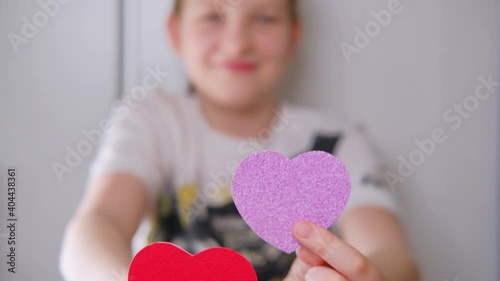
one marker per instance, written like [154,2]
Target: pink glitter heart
[272,193]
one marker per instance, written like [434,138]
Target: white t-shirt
[166,142]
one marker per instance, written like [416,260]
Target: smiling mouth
[240,67]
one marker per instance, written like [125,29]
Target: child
[163,171]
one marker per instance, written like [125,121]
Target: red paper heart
[167,262]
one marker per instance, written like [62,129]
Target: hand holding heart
[273,193]
[323,256]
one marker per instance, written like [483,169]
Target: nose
[237,37]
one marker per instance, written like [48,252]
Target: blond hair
[293,9]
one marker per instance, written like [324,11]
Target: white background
[59,83]
[426,60]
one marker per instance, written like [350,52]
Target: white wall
[424,61]
[59,83]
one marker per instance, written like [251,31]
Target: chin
[238,100]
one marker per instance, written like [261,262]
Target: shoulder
[349,140]
[310,119]
[155,105]
[163,98]
[163,101]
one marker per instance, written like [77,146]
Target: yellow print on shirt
[186,196]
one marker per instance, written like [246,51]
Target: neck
[240,122]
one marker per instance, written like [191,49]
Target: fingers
[335,252]
[309,257]
[301,271]
[304,261]
[323,273]
[297,271]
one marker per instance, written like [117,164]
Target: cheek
[274,45]
[274,48]
[197,46]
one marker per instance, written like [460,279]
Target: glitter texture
[272,193]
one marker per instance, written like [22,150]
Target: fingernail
[309,277]
[317,274]
[304,230]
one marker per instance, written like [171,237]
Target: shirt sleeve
[368,187]
[130,146]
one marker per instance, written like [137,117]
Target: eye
[212,17]
[266,19]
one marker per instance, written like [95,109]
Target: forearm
[395,264]
[94,249]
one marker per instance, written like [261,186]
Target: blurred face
[235,52]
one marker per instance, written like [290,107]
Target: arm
[97,241]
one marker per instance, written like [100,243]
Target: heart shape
[272,193]
[163,261]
